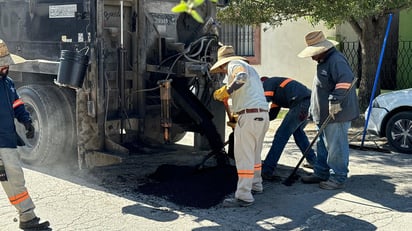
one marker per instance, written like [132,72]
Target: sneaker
[330,185]
[312,179]
[34,224]
[270,177]
[234,202]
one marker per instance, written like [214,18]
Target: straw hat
[225,54]
[6,58]
[316,44]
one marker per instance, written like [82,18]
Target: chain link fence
[396,65]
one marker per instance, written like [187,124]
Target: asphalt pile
[191,187]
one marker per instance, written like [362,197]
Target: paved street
[378,196]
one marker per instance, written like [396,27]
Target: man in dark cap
[284,92]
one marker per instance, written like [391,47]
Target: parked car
[391,117]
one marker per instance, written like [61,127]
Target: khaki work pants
[15,185]
[249,135]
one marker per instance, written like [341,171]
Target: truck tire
[153,130]
[52,111]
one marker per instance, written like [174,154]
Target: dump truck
[104,79]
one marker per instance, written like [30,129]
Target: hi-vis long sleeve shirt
[284,92]
[11,107]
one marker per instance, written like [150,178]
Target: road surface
[378,196]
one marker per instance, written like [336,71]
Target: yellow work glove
[221,94]
[235,117]
[232,123]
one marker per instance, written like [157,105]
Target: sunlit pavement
[378,196]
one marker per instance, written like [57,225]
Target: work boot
[270,177]
[34,224]
[255,192]
[331,185]
[234,202]
[308,165]
[312,179]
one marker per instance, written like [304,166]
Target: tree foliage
[274,12]
[368,19]
[189,7]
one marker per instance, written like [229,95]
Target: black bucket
[72,69]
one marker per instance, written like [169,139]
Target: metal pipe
[141,64]
[388,27]
[121,77]
[121,24]
[165,113]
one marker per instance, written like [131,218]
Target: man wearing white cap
[11,172]
[330,97]
[249,103]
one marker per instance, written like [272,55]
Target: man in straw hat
[249,103]
[11,172]
[330,97]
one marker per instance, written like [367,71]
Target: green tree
[368,18]
[189,7]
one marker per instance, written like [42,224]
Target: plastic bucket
[72,69]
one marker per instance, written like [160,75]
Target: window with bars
[241,37]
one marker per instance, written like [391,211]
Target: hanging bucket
[72,69]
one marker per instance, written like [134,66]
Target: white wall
[279,49]
[346,33]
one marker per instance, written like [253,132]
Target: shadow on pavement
[155,214]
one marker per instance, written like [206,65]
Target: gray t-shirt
[251,94]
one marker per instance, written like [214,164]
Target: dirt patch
[188,186]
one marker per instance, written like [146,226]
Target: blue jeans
[333,152]
[293,123]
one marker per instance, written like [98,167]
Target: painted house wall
[405,29]
[280,46]
[405,34]
[279,49]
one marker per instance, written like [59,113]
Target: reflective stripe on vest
[285,82]
[282,85]
[17,103]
